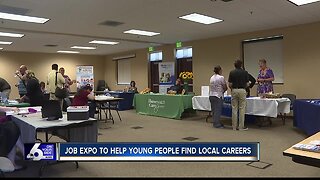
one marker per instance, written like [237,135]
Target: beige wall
[139,70]
[301,59]
[41,63]
[300,50]
[139,66]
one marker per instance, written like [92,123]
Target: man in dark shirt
[5,88]
[238,82]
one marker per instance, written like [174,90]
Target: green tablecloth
[16,105]
[169,106]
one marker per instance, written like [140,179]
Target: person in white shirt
[217,88]
[55,79]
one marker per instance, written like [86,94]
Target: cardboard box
[75,113]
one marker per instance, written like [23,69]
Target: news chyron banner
[143,151]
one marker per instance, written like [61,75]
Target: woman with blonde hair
[265,78]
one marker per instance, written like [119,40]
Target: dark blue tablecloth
[127,101]
[307,115]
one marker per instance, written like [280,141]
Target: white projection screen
[269,49]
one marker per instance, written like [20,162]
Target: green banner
[169,106]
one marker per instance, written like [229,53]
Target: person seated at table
[133,88]
[85,97]
[10,140]
[177,88]
[34,94]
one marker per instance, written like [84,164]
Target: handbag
[60,93]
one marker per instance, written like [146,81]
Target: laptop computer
[51,110]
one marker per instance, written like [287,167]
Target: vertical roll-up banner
[166,76]
[85,76]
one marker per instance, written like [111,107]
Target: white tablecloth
[29,125]
[255,105]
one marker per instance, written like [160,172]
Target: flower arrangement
[186,76]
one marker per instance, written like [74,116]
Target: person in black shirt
[34,94]
[252,81]
[238,82]
[177,88]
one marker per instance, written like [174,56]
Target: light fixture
[103,42]
[5,42]
[302,2]
[16,17]
[124,57]
[69,52]
[199,18]
[1,48]
[11,35]
[141,32]
[83,47]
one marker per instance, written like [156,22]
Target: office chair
[101,85]
[292,98]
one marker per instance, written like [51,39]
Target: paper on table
[315,142]
[103,97]
[9,113]
[204,90]
[13,102]
[307,147]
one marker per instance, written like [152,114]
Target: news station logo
[40,151]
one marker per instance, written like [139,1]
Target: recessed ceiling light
[16,17]
[5,42]
[103,42]
[83,47]
[199,18]
[11,34]
[303,2]
[141,32]
[70,52]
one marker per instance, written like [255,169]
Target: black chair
[292,98]
[101,85]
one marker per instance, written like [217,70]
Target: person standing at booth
[217,88]
[252,81]
[265,78]
[34,94]
[68,83]
[55,79]
[21,74]
[238,82]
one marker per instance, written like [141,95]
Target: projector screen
[269,49]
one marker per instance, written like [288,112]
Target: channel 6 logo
[40,151]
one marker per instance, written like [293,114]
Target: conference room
[169,74]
